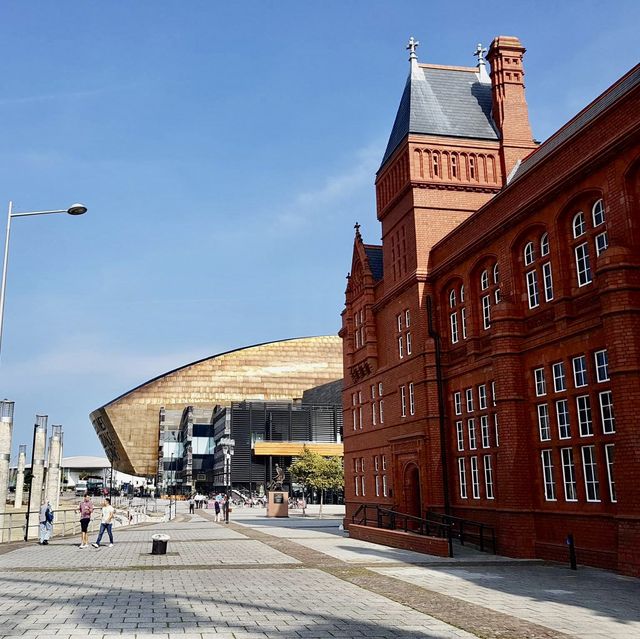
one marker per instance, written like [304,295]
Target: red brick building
[492,342]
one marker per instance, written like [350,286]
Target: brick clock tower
[458,134]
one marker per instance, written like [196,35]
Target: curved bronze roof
[128,426]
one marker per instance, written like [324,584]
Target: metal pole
[33,452]
[5,263]
[173,481]
[228,465]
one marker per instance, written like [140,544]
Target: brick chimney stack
[510,111]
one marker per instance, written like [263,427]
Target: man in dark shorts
[85,508]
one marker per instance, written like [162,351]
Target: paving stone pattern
[250,579]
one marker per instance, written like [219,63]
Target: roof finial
[483,76]
[356,226]
[411,47]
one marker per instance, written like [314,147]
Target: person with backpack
[46,523]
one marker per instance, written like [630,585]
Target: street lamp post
[173,482]
[228,446]
[74,209]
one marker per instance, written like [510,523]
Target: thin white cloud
[335,189]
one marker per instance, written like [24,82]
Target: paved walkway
[297,578]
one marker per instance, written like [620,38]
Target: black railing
[386,518]
[467,531]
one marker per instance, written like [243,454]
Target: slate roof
[587,115]
[443,101]
[374,255]
[329,393]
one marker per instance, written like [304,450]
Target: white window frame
[486,312]
[601,360]
[452,298]
[493,393]
[533,292]
[362,486]
[579,365]
[529,254]
[482,397]
[590,473]
[496,273]
[457,403]
[548,479]
[601,242]
[495,428]
[559,377]
[540,382]
[484,280]
[377,482]
[484,431]
[471,433]
[585,420]
[460,435]
[547,279]
[544,423]
[399,322]
[384,462]
[578,225]
[468,393]
[488,477]
[407,318]
[608,420]
[569,475]
[609,456]
[563,419]
[544,244]
[385,490]
[373,405]
[462,478]
[401,347]
[463,321]
[453,324]
[583,264]
[380,404]
[408,342]
[598,213]
[475,478]
[412,399]
[403,401]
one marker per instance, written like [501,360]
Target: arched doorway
[412,497]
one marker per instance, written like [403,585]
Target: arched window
[579,226]
[597,213]
[491,293]
[472,167]
[544,244]
[454,165]
[539,272]
[484,280]
[436,164]
[457,315]
[529,254]
[496,273]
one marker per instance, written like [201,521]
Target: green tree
[320,473]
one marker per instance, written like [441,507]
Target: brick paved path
[257,578]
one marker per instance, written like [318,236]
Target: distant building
[491,342]
[129,426]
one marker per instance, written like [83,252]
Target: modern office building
[492,342]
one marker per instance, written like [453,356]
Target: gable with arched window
[489,285]
[457,312]
[537,268]
[589,235]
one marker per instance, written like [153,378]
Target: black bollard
[572,552]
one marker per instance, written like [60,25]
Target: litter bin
[159,546]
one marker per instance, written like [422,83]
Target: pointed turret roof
[447,101]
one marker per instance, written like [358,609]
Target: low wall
[400,539]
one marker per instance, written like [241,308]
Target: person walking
[46,523]
[86,509]
[191,505]
[216,507]
[106,523]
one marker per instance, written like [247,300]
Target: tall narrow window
[579,226]
[475,480]
[354,411]
[460,435]
[597,213]
[463,319]
[541,384]
[401,347]
[380,404]
[453,320]
[462,478]
[562,416]
[580,371]
[469,397]
[569,475]
[544,244]
[412,400]
[360,410]
[590,471]
[583,264]
[484,280]
[559,379]
[471,428]
[403,401]
[486,312]
[482,397]
[373,405]
[484,431]
[495,428]
[533,294]
[606,413]
[457,403]
[547,474]
[544,427]
[548,281]
[488,477]
[585,423]
[609,452]
[602,365]
[408,338]
[529,253]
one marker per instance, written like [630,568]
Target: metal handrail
[475,532]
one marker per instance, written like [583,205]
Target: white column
[6,427]
[52,485]
[37,474]
[22,460]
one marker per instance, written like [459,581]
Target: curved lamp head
[77,209]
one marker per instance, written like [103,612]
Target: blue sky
[225,151]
